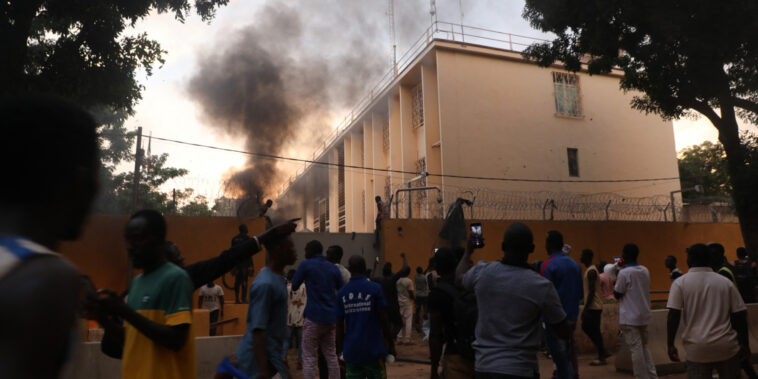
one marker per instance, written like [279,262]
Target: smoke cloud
[281,82]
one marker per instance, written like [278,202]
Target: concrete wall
[90,363]
[497,118]
[418,238]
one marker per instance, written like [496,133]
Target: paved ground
[419,350]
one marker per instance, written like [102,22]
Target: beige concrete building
[459,110]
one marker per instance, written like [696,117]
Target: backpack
[745,279]
[465,314]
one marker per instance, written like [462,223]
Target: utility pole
[135,188]
[136,176]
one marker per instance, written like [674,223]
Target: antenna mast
[391,14]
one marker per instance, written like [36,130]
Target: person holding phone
[511,301]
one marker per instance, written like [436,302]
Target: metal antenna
[433,11]
[391,14]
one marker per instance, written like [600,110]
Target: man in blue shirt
[322,280]
[362,325]
[260,351]
[566,275]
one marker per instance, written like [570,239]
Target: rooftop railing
[437,31]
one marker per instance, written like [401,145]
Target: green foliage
[80,49]
[683,55]
[704,164]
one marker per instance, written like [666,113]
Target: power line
[300,160]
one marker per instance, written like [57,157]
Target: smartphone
[476,235]
[616,259]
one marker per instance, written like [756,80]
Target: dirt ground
[419,351]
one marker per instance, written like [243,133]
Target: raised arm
[404,271]
[465,263]
[211,269]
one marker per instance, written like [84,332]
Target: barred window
[417,101]
[566,90]
[573,161]
[386,136]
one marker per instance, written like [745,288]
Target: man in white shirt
[334,254]
[633,292]
[211,297]
[707,302]
[405,298]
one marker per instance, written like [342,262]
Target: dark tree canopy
[683,56]
[704,165]
[79,49]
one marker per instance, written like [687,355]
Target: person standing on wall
[593,308]
[633,292]
[322,279]
[211,297]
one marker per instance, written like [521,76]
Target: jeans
[214,318]
[561,350]
[317,336]
[728,369]
[297,332]
[591,327]
[642,362]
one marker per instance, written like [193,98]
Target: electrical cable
[470,177]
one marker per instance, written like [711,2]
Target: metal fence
[493,204]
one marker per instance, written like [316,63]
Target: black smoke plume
[281,82]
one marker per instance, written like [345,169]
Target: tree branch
[746,105]
[708,112]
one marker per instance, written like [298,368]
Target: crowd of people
[485,320]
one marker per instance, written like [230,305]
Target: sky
[167,110]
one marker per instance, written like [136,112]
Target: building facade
[484,123]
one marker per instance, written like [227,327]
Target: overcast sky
[167,110]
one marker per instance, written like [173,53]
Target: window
[573,161]
[566,90]
[417,101]
[386,136]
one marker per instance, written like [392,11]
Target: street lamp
[697,188]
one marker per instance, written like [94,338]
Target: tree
[78,49]
[118,196]
[683,56]
[198,206]
[705,165]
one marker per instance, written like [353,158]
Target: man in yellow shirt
[157,338]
